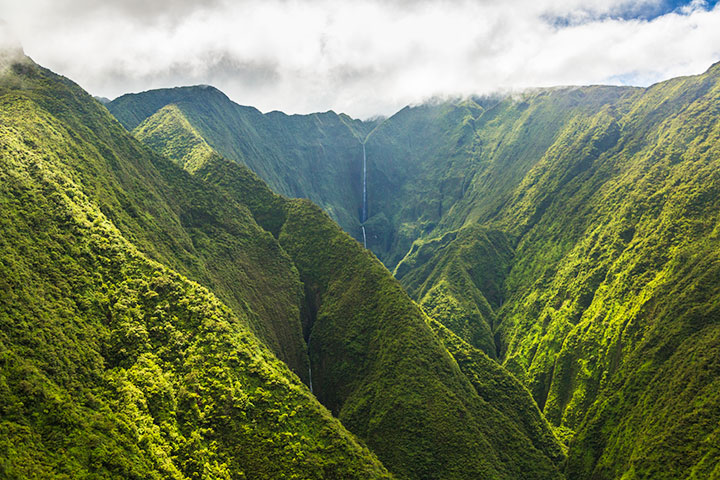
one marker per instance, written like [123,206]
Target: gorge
[194,289]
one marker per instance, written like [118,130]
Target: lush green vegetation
[113,365]
[316,156]
[628,303]
[609,300]
[384,373]
[168,215]
[571,234]
[375,362]
[609,306]
[458,279]
[510,400]
[158,308]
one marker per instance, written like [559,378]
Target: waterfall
[364,197]
[309,367]
[310,375]
[364,180]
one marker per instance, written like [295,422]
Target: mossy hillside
[114,366]
[314,156]
[383,371]
[511,138]
[174,218]
[430,166]
[436,168]
[458,284]
[602,200]
[573,164]
[638,296]
[610,297]
[458,279]
[317,156]
[170,134]
[397,153]
[375,363]
[657,411]
[604,191]
[578,178]
[512,401]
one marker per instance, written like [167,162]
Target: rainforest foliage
[376,363]
[569,234]
[316,156]
[113,365]
[167,314]
[159,313]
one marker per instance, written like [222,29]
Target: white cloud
[363,58]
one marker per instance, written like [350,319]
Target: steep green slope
[111,364]
[622,348]
[169,133]
[459,279]
[170,216]
[316,156]
[431,166]
[512,400]
[380,368]
[382,371]
[437,167]
[572,233]
[375,362]
[609,310]
[406,200]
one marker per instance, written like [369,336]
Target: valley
[518,286]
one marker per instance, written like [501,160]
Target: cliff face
[114,364]
[570,234]
[556,274]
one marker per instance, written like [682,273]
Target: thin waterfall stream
[309,367]
[363,217]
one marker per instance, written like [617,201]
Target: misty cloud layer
[363,58]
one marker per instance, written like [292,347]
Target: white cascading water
[362,220]
[364,198]
[309,367]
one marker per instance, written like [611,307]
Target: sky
[364,58]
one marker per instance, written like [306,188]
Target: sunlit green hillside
[172,317]
[569,233]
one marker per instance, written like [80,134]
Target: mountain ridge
[117,363]
[166,314]
[350,301]
[526,226]
[112,364]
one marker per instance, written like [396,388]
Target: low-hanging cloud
[363,58]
